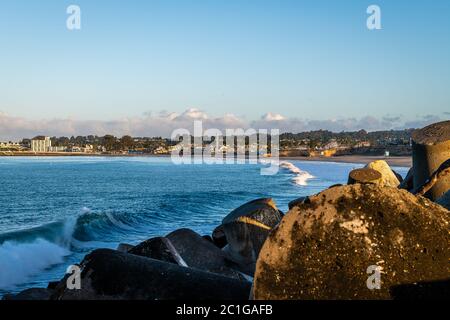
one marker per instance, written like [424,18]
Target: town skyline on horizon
[163,124]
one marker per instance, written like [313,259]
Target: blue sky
[310,59]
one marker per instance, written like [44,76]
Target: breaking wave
[28,252]
[300,177]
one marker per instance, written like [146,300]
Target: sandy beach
[392,161]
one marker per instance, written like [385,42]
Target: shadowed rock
[158,248]
[364,176]
[201,254]
[219,238]
[431,148]
[246,228]
[322,250]
[113,275]
[388,177]
[442,173]
[30,294]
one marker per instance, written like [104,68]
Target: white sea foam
[20,261]
[300,177]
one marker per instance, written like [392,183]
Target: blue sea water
[53,211]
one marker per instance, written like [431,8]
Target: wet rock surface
[322,250]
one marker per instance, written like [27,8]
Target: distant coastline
[399,161]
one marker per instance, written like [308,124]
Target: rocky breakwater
[378,237]
[180,265]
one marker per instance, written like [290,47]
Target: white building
[41,144]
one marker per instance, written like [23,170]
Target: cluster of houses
[43,144]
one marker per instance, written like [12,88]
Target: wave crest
[26,253]
[301,177]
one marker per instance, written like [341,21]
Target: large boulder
[202,254]
[388,177]
[330,247]
[246,228]
[113,275]
[431,148]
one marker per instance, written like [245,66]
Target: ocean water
[53,211]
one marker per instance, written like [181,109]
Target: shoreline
[396,161]
[400,161]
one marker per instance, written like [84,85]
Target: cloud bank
[164,123]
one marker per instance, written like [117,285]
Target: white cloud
[164,123]
[273,117]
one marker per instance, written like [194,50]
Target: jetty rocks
[113,275]
[323,249]
[377,237]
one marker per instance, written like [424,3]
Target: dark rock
[113,275]
[365,176]
[322,250]
[30,294]
[124,247]
[431,148]
[208,238]
[434,290]
[201,254]
[158,248]
[246,229]
[297,202]
[219,238]
[52,285]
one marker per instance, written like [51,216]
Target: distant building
[57,149]
[10,145]
[41,144]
